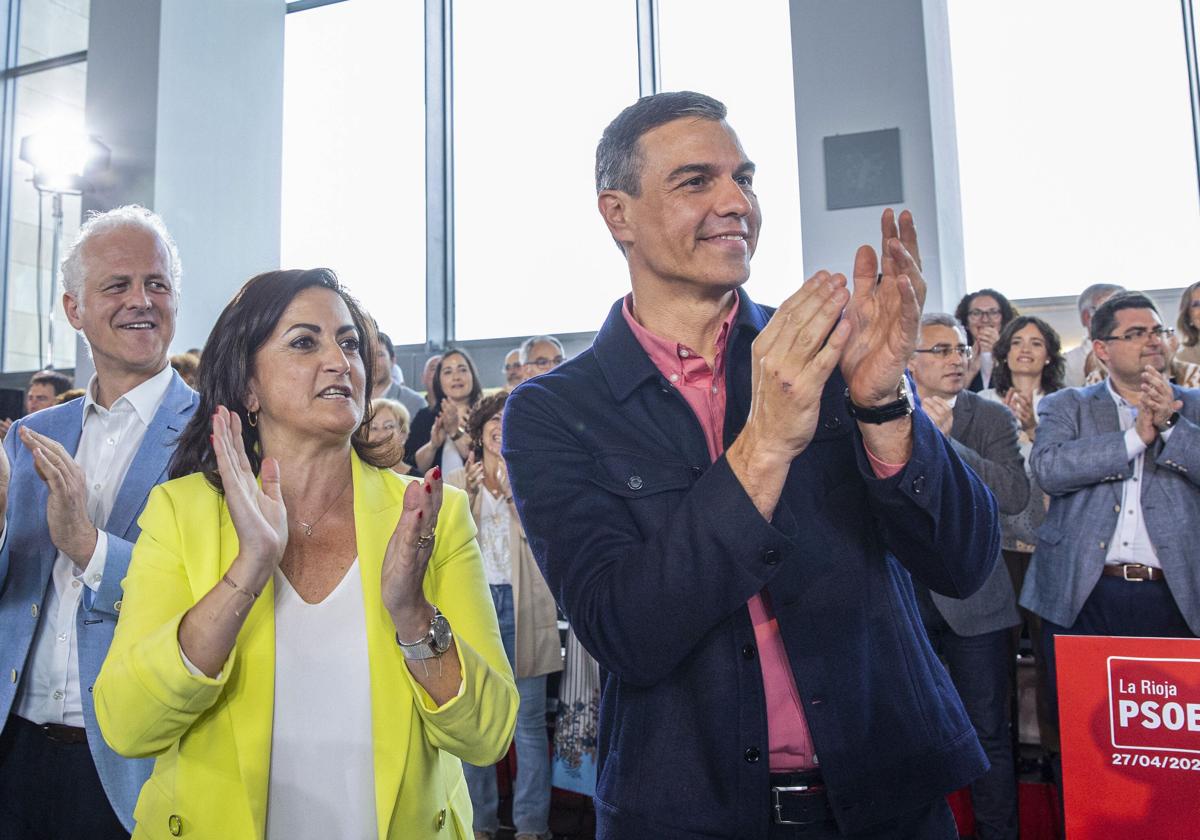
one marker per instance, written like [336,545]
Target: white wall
[189,96]
[861,65]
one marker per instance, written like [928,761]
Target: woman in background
[528,625]
[439,434]
[983,314]
[1188,325]
[390,425]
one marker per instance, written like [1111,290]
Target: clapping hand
[71,529]
[407,557]
[258,512]
[1158,403]
[883,315]
[449,417]
[940,412]
[474,474]
[1022,408]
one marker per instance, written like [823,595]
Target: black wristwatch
[1170,422]
[900,407]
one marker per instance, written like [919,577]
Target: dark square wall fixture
[863,170]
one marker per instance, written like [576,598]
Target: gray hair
[939,319]
[1088,297]
[618,162]
[527,346]
[74,269]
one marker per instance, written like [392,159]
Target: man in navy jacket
[728,504]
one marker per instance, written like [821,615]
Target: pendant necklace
[308,528]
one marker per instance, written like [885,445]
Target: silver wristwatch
[434,644]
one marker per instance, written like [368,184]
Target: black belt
[56,732]
[799,799]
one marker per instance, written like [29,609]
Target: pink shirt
[703,387]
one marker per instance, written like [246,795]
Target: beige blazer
[538,646]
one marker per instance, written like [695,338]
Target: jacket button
[441,819]
[918,484]
[33,610]
[1103,544]
[117,606]
[175,825]
[1116,508]
[13,676]
[770,557]
[747,651]
[635,482]
[752,755]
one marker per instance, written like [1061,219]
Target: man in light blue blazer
[1120,461]
[76,479]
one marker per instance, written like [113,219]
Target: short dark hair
[618,158]
[60,382]
[228,365]
[1052,373]
[383,339]
[487,408]
[1104,321]
[476,387]
[1007,312]
[1188,333]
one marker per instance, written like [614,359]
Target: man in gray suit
[971,635]
[1120,461]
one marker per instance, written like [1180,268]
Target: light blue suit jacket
[1079,459]
[27,560]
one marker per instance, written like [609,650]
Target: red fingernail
[420,514]
[437,473]
[429,489]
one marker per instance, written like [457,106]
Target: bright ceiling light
[62,160]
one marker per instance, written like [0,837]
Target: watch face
[440,629]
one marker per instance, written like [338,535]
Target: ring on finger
[424,540]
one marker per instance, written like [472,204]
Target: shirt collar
[659,348]
[1117,398]
[144,399]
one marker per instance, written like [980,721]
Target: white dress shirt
[1131,542]
[111,437]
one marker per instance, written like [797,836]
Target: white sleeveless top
[322,782]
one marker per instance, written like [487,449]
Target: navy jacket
[652,551]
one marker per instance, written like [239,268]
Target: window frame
[10,72]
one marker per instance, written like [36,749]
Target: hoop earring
[252,418]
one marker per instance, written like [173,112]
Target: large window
[46,101]
[354,154]
[532,254]
[1075,146]
[753,77]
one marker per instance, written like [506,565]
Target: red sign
[1129,711]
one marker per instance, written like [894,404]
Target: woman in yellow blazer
[307,643]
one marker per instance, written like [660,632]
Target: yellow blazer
[212,737]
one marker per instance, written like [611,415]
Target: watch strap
[900,407]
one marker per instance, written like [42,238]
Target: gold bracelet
[253,596]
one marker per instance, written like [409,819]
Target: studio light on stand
[62,162]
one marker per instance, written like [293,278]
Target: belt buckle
[1125,573]
[778,807]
